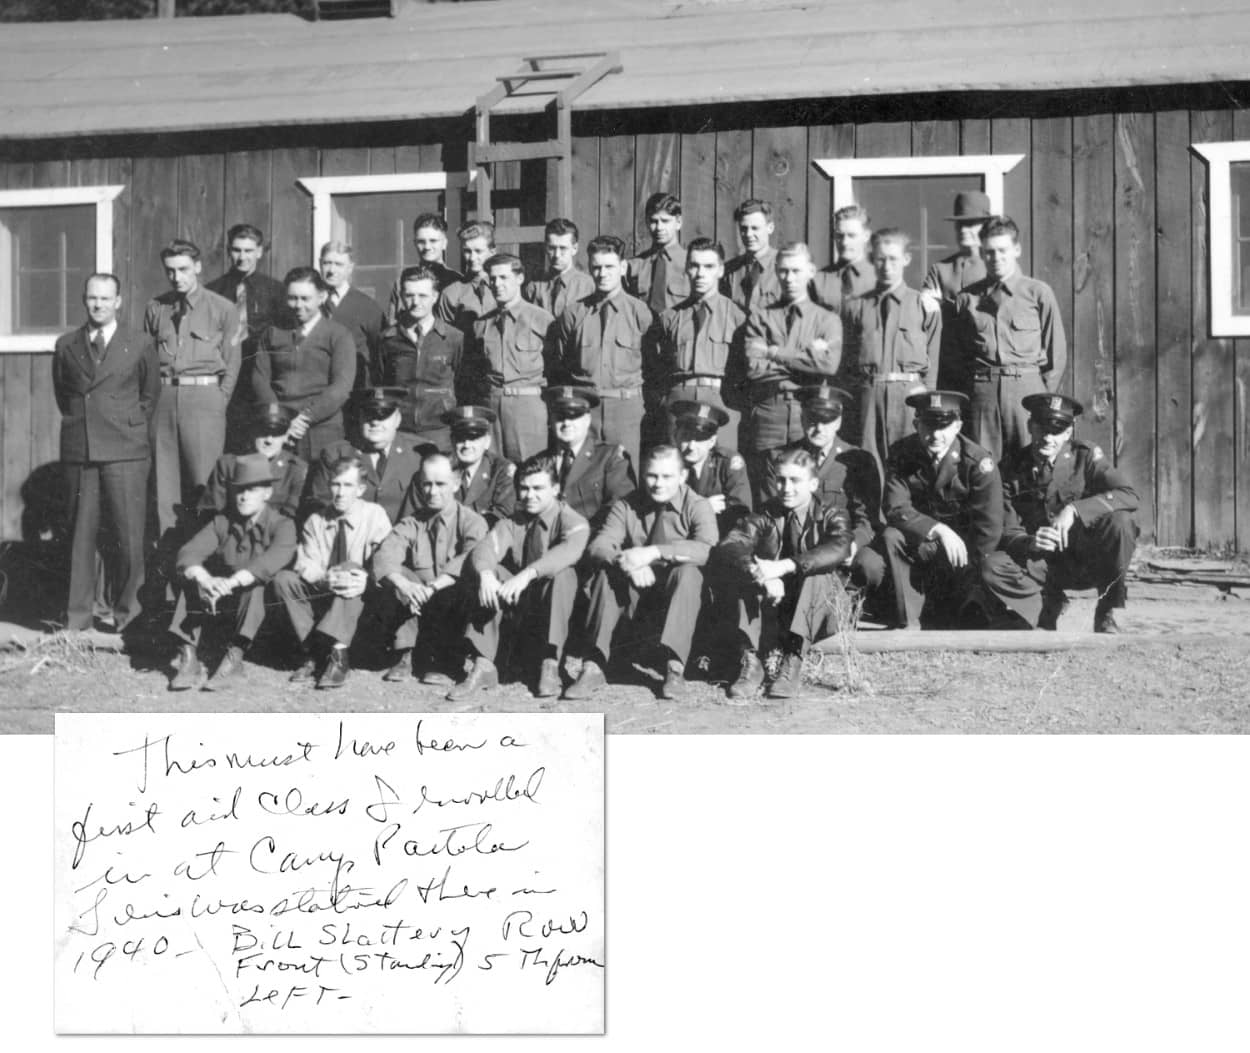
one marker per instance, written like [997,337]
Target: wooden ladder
[564,78]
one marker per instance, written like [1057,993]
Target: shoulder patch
[986,465]
[1096,453]
[737,464]
[510,471]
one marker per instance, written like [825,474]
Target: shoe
[401,668]
[306,672]
[789,679]
[336,670]
[435,677]
[750,676]
[675,687]
[1104,621]
[482,677]
[188,672]
[1053,607]
[230,668]
[549,684]
[588,681]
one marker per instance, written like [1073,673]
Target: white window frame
[843,171]
[100,196]
[324,189]
[1219,157]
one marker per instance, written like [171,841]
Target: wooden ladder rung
[492,152]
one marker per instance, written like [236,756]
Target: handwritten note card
[329,874]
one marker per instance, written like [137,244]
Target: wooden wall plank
[779,175]
[616,188]
[1011,136]
[974,136]
[153,223]
[585,190]
[507,180]
[291,213]
[382,160]
[1174,468]
[698,189]
[1214,367]
[733,180]
[1092,342]
[1135,436]
[352,160]
[1241,351]
[657,169]
[201,204]
[934,138]
[824,141]
[883,139]
[1052,215]
[248,198]
[120,172]
[15,370]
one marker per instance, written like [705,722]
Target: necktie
[557,291]
[792,318]
[602,308]
[702,313]
[566,465]
[332,301]
[658,533]
[240,303]
[793,537]
[466,477]
[97,346]
[750,279]
[432,532]
[657,299]
[338,551]
[692,479]
[379,464]
[180,312]
[532,548]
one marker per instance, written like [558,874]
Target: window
[50,241]
[1228,213]
[374,214]
[917,194]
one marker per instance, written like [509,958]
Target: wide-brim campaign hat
[469,420]
[568,397]
[251,469]
[1045,406]
[939,406]
[378,402]
[971,204]
[271,419]
[824,401]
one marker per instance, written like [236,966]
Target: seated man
[525,576]
[649,553]
[592,474]
[782,560]
[711,472]
[420,563]
[267,429]
[325,590]
[944,513]
[228,562]
[1069,518]
[389,457]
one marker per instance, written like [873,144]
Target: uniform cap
[270,419]
[1043,406]
[824,401]
[567,397]
[471,421]
[251,469]
[701,417]
[939,406]
[971,204]
[378,403]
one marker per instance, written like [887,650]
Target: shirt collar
[310,325]
[444,514]
[194,297]
[108,331]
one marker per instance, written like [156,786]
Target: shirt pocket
[206,345]
[1025,331]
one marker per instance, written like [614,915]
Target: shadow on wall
[34,572]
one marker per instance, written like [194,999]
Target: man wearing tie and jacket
[107,380]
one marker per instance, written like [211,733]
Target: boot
[750,676]
[1104,620]
[1053,606]
[188,672]
[589,680]
[307,671]
[790,679]
[401,668]
[549,679]
[675,686]
[336,670]
[482,677]
[230,668]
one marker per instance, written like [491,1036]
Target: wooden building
[1082,117]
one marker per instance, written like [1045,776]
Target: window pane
[1240,218]
[919,205]
[378,227]
[48,252]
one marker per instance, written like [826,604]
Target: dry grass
[60,650]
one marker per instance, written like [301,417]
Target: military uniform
[428,365]
[462,303]
[751,281]
[835,286]
[289,475]
[891,349]
[724,472]
[599,344]
[556,294]
[386,476]
[597,475]
[1012,344]
[640,276]
[701,357]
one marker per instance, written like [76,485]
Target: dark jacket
[601,473]
[290,473]
[224,544]
[824,539]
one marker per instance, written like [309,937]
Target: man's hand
[850,555]
[348,583]
[511,590]
[766,570]
[633,559]
[642,578]
[413,594]
[820,345]
[1064,522]
[717,501]
[774,590]
[299,426]
[1045,540]
[952,544]
[488,590]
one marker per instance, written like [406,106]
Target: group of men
[424,472]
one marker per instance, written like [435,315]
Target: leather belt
[421,389]
[893,378]
[984,373]
[698,382]
[619,393]
[773,389]
[196,380]
[520,389]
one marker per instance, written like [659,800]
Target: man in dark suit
[106,379]
[592,474]
[485,479]
[357,312]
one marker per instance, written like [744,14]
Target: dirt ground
[1182,664]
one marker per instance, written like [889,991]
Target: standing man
[1011,341]
[658,275]
[789,343]
[649,555]
[751,278]
[892,346]
[465,301]
[599,342]
[591,474]
[1069,518]
[355,311]
[563,283]
[506,361]
[949,277]
[107,381]
[196,333]
[851,273]
[429,237]
[422,354]
[260,302]
[700,342]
